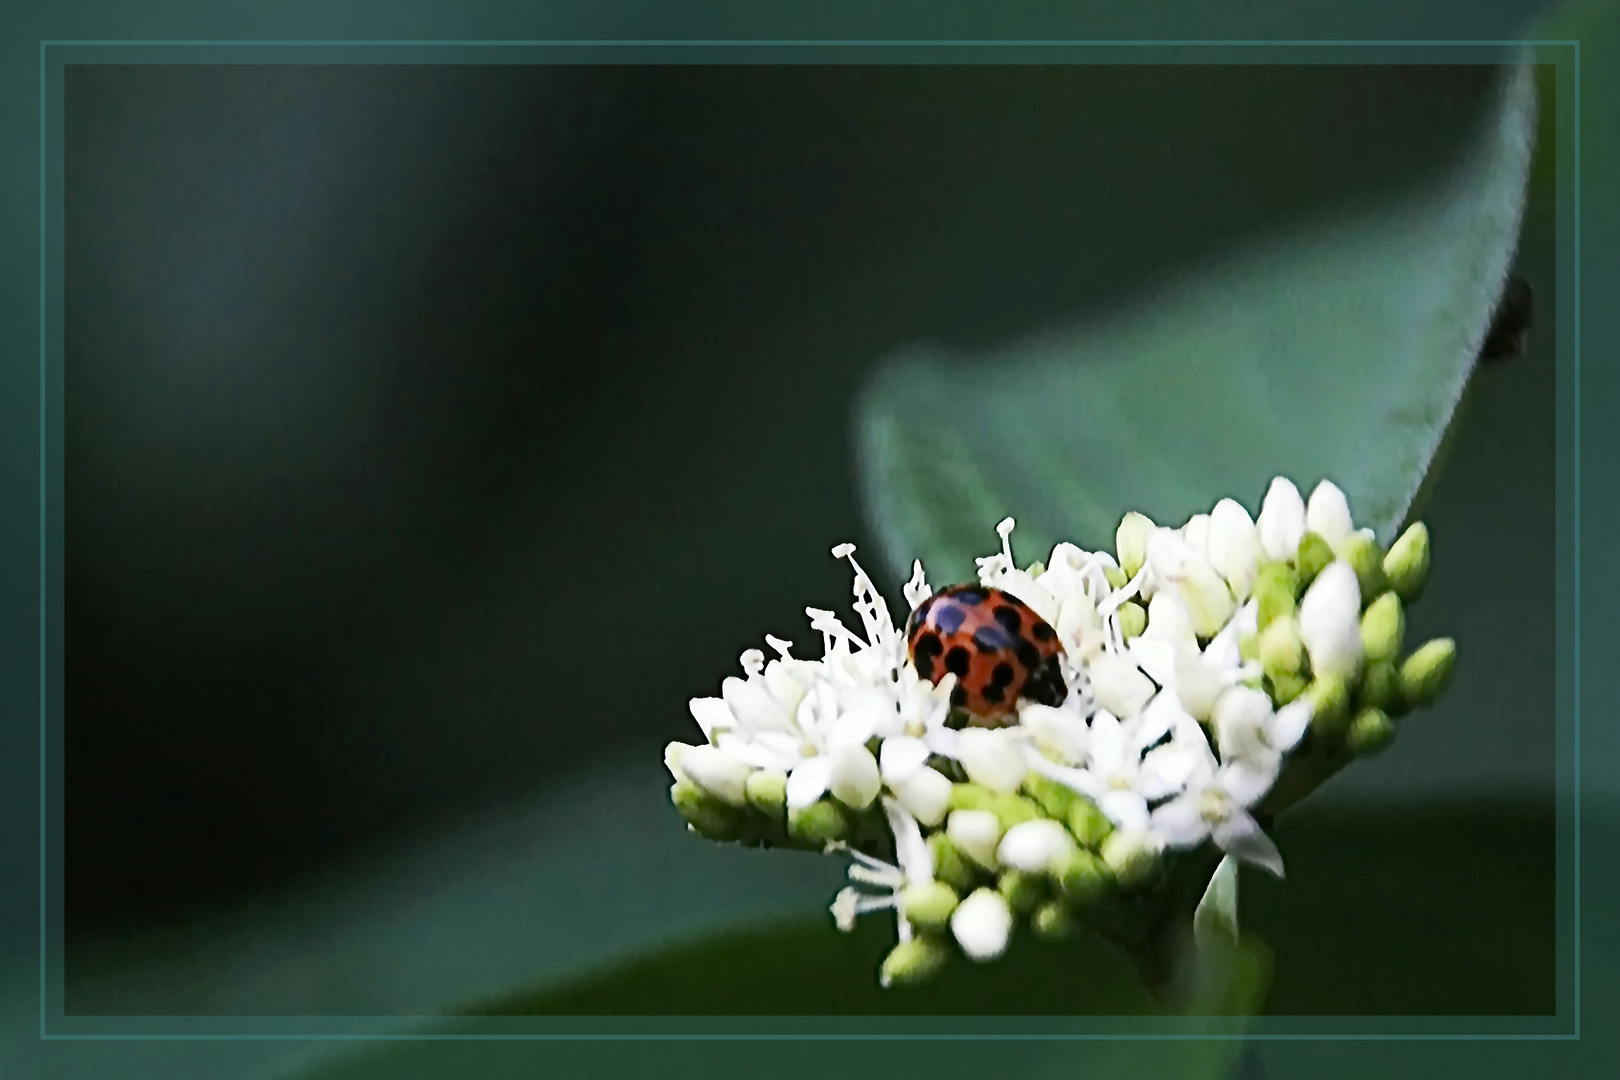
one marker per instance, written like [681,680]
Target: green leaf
[1215,922]
[1340,352]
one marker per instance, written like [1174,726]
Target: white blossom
[914,865]
[1216,806]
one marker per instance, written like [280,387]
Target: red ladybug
[996,645]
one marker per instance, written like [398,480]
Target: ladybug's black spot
[959,697]
[1009,598]
[1010,620]
[1042,631]
[1029,655]
[971,595]
[925,666]
[1001,674]
[948,618]
[993,694]
[1045,685]
[990,639]
[958,660]
[926,646]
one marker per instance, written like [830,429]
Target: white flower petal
[1157,656]
[992,758]
[944,741]
[911,851]
[1241,836]
[1061,733]
[1282,519]
[1126,809]
[753,707]
[855,780]
[1178,822]
[1162,715]
[808,781]
[1289,724]
[900,756]
[1084,781]
[1035,846]
[1167,769]
[712,714]
[982,924]
[1246,780]
[766,750]
[1167,621]
[1328,514]
[1119,686]
[1198,682]
[1196,534]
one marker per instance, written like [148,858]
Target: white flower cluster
[1194,664]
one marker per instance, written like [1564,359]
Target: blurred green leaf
[1447,909]
[1340,353]
[1216,920]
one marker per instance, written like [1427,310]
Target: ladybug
[994,643]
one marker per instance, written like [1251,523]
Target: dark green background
[427,580]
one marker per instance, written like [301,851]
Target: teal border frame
[54,56]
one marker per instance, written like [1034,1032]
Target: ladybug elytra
[994,643]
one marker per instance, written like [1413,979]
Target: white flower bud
[976,833]
[981,924]
[1198,683]
[926,793]
[1130,541]
[1120,687]
[717,772]
[1328,514]
[1167,621]
[1330,622]
[1196,534]
[1036,847]
[992,757]
[1282,519]
[855,779]
[1234,546]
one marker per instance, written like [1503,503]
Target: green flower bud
[1132,619]
[817,825]
[928,906]
[1089,825]
[1371,731]
[767,792]
[1314,556]
[709,815]
[1361,552]
[1084,878]
[1052,796]
[912,962]
[1426,673]
[1330,706]
[1382,627]
[1380,686]
[1249,646]
[1051,920]
[1281,650]
[1275,590]
[1130,543]
[1022,891]
[1132,860]
[951,866]
[1116,577]
[1013,809]
[1407,564]
[971,796]
[1284,687]
[1036,569]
